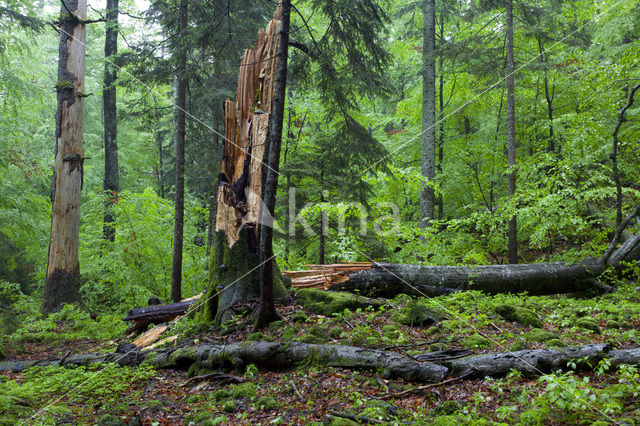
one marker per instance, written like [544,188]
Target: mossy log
[278,356]
[389,280]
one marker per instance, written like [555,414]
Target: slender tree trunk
[111,177]
[427,197]
[440,200]
[323,219]
[614,154]
[62,283]
[158,137]
[511,108]
[267,312]
[181,96]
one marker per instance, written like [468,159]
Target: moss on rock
[588,324]
[477,341]
[518,314]
[555,343]
[613,324]
[332,302]
[539,335]
[416,314]
[267,403]
[449,407]
[244,390]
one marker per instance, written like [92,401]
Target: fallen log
[389,280]
[142,317]
[278,356]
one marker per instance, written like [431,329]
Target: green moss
[221,395]
[274,326]
[299,316]
[319,331]
[339,421]
[416,314]
[447,326]
[335,332]
[539,335]
[600,423]
[448,421]
[380,410]
[449,407]
[328,303]
[309,338]
[588,324]
[518,314]
[255,337]
[518,345]
[613,324]
[266,403]
[431,331]
[110,420]
[434,347]
[555,343]
[390,331]
[624,324]
[477,341]
[229,406]
[244,390]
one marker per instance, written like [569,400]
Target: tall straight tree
[111,177]
[63,271]
[511,124]
[427,197]
[267,312]
[180,133]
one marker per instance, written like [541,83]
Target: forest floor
[110,395]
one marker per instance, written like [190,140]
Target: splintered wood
[324,276]
[246,128]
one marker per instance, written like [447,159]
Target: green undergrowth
[70,323]
[45,395]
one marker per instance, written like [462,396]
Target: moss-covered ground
[110,395]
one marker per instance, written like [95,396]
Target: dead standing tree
[234,272]
[63,271]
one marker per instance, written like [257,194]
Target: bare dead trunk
[234,270]
[63,271]
[511,108]
[111,176]
[181,104]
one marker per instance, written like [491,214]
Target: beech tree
[63,271]
[511,124]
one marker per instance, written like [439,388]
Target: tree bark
[389,280]
[267,312]
[111,176]
[276,356]
[235,265]
[62,283]
[181,104]
[614,154]
[511,124]
[427,197]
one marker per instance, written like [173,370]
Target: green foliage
[520,315]
[68,324]
[97,385]
[137,265]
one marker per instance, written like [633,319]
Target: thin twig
[359,419]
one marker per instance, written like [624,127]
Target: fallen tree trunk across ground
[389,280]
[279,356]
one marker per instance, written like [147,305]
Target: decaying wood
[277,356]
[142,317]
[62,283]
[389,280]
[324,276]
[234,265]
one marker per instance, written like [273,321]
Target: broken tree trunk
[389,280]
[234,261]
[62,283]
[157,314]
